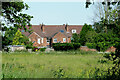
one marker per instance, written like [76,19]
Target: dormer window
[73,30]
[61,31]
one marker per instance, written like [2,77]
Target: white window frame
[64,39]
[38,40]
[54,40]
[73,30]
[42,40]
[47,40]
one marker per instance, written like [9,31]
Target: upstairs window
[73,30]
[55,40]
[61,31]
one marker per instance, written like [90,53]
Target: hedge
[65,46]
[91,45]
[100,46]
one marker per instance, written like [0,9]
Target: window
[64,39]
[73,30]
[55,40]
[23,31]
[48,40]
[42,40]
[38,40]
[33,42]
[61,31]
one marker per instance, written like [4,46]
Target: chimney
[66,27]
[42,27]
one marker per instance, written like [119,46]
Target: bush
[66,46]
[42,49]
[91,45]
[102,46]
[34,48]
[29,45]
[38,49]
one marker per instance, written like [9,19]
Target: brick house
[45,35]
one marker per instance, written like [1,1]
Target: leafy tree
[83,32]
[90,36]
[75,38]
[17,39]
[12,15]
[20,39]
[105,40]
[7,38]
[26,42]
[114,72]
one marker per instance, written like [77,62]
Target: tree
[90,36]
[76,38]
[18,39]
[7,38]
[83,32]
[12,15]
[12,19]
[114,72]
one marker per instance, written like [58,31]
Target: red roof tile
[50,30]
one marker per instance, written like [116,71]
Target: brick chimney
[67,28]
[42,27]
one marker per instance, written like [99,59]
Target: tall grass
[73,64]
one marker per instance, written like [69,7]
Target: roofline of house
[56,25]
[36,34]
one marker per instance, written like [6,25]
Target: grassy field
[71,64]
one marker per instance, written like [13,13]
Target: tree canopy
[13,16]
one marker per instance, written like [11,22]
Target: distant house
[45,35]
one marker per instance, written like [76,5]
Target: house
[45,35]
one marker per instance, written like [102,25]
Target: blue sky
[58,13]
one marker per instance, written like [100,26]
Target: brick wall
[59,36]
[34,37]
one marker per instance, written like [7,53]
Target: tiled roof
[50,30]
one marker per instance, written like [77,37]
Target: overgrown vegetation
[111,23]
[66,46]
[58,64]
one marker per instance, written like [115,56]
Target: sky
[59,13]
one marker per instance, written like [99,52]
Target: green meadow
[58,64]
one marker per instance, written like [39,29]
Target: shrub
[91,45]
[102,46]
[42,49]
[29,45]
[34,48]
[38,49]
[59,73]
[76,45]
[66,46]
